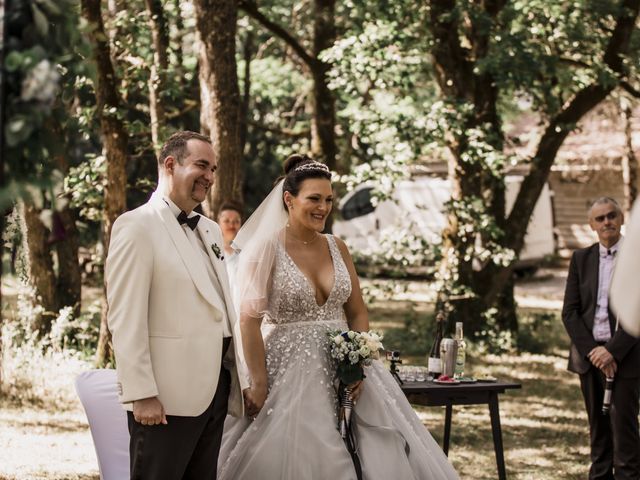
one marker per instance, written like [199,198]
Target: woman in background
[230,220]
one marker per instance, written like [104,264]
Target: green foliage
[550,50]
[276,118]
[39,63]
[415,336]
[36,364]
[383,83]
[541,332]
[399,252]
[85,185]
[491,338]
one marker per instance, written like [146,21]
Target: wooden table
[434,395]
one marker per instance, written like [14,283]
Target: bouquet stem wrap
[345,427]
[352,351]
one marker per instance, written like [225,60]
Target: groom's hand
[149,411]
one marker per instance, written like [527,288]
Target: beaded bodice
[292,295]
[296,330]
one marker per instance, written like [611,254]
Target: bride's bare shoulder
[344,250]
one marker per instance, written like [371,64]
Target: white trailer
[419,203]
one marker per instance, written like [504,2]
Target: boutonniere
[217,252]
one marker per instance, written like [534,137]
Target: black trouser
[185,448]
[615,441]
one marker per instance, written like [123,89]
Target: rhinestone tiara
[312,166]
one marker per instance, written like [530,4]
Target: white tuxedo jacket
[165,315]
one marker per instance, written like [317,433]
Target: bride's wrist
[259,383]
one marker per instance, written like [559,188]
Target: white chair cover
[98,393]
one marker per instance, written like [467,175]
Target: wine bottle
[462,353]
[435,364]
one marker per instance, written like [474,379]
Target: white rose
[338,339]
[354,357]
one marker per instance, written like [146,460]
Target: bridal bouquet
[352,350]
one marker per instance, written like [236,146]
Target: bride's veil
[256,245]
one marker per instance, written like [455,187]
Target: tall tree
[159,66]
[39,265]
[323,124]
[2,114]
[472,43]
[629,159]
[54,288]
[114,141]
[69,279]
[35,71]
[220,95]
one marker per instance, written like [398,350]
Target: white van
[420,202]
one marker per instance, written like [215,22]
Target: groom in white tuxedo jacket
[172,319]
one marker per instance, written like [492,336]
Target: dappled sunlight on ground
[44,433]
[544,425]
[37,444]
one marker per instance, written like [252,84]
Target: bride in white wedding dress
[294,284]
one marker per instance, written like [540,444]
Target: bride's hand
[356,390]
[254,398]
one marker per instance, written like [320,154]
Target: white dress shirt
[601,327]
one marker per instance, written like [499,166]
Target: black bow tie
[192,222]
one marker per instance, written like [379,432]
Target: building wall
[574,190]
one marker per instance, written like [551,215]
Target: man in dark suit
[600,349]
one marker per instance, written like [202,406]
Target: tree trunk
[179,30]
[472,179]
[323,137]
[2,122]
[629,160]
[489,287]
[246,90]
[323,122]
[216,23]
[40,265]
[157,77]
[114,141]
[69,284]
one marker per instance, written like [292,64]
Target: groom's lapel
[210,240]
[192,261]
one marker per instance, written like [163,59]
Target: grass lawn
[44,434]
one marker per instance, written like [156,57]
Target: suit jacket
[578,313]
[164,313]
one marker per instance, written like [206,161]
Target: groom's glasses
[609,216]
